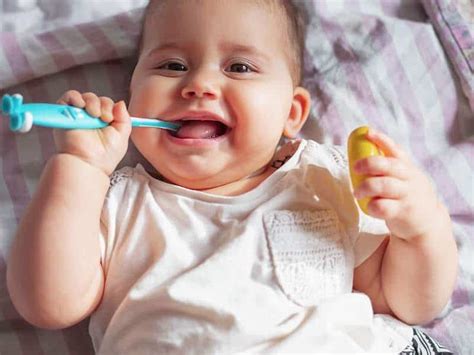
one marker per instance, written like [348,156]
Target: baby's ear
[299,112]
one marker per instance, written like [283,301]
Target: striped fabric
[454,21]
[423,344]
[367,61]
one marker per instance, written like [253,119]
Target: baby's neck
[243,185]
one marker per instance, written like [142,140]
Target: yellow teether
[359,147]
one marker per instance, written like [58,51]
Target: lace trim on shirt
[120,175]
[284,153]
[338,155]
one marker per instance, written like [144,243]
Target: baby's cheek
[258,100]
[144,96]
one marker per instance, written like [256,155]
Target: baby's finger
[384,208]
[93,106]
[106,104]
[382,166]
[121,122]
[386,144]
[72,97]
[381,187]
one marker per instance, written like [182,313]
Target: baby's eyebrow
[227,47]
[163,47]
[245,49]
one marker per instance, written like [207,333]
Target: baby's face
[219,68]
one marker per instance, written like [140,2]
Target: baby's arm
[54,275]
[412,273]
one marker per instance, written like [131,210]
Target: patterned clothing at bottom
[423,344]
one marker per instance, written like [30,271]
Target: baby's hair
[296,23]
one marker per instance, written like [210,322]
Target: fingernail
[124,106]
[119,106]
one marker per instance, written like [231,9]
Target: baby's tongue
[199,129]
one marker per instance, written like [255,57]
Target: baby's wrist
[439,227]
[82,166]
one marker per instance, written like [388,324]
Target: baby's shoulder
[127,181]
[329,156]
[125,189]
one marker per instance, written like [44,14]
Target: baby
[238,244]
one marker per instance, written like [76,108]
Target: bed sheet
[454,22]
[42,15]
[379,62]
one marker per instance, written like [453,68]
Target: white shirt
[268,271]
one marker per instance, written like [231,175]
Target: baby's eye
[174,66]
[239,68]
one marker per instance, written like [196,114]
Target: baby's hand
[102,148]
[401,193]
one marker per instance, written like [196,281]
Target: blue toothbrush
[24,116]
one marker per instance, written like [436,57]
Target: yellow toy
[359,147]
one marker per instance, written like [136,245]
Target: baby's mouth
[200,129]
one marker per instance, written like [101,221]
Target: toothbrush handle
[23,116]
[91,122]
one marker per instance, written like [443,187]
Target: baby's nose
[201,86]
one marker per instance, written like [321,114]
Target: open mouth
[200,129]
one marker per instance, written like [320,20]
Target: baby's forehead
[155,4]
[280,23]
[275,7]
[161,23]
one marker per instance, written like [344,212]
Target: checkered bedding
[405,67]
